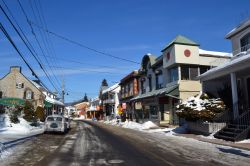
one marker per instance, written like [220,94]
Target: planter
[204,128]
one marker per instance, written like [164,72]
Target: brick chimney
[15,69]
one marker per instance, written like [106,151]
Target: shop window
[245,42]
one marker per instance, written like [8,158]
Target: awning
[11,101]
[47,104]
[169,91]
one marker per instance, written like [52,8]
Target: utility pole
[63,90]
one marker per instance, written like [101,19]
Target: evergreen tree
[85,99]
[29,112]
[104,82]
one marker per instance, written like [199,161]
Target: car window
[50,119]
[58,119]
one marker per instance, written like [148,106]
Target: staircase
[237,130]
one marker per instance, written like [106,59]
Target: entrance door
[248,91]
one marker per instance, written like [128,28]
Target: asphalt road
[93,143]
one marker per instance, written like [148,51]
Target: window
[245,42]
[150,83]
[1,94]
[131,88]
[143,90]
[189,72]
[28,94]
[173,74]
[193,72]
[204,69]
[159,81]
[19,85]
[184,73]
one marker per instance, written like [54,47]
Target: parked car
[67,120]
[55,123]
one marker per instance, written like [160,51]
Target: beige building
[16,86]
[171,77]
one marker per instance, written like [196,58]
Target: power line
[26,44]
[81,45]
[44,39]
[84,70]
[32,30]
[15,47]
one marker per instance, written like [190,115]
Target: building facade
[129,89]
[17,87]
[171,77]
[110,101]
[231,82]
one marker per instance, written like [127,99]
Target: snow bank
[149,125]
[23,127]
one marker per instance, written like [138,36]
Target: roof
[242,26]
[181,40]
[164,91]
[130,75]
[52,101]
[214,53]
[113,87]
[234,65]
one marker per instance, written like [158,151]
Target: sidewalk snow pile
[23,127]
[137,126]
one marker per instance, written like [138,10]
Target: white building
[231,82]
[110,100]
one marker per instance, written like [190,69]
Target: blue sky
[127,29]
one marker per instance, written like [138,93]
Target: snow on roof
[214,53]
[113,87]
[53,101]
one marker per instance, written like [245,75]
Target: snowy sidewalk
[150,127]
[241,145]
[6,138]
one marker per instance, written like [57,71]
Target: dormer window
[245,42]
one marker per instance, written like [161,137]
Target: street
[94,143]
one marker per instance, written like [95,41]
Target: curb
[9,144]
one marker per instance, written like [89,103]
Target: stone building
[15,88]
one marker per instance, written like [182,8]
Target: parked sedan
[55,123]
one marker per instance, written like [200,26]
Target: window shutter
[32,95]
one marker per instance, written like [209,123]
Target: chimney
[15,69]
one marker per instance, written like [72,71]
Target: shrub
[200,107]
[40,114]
[14,113]
[29,113]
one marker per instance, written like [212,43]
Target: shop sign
[11,101]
